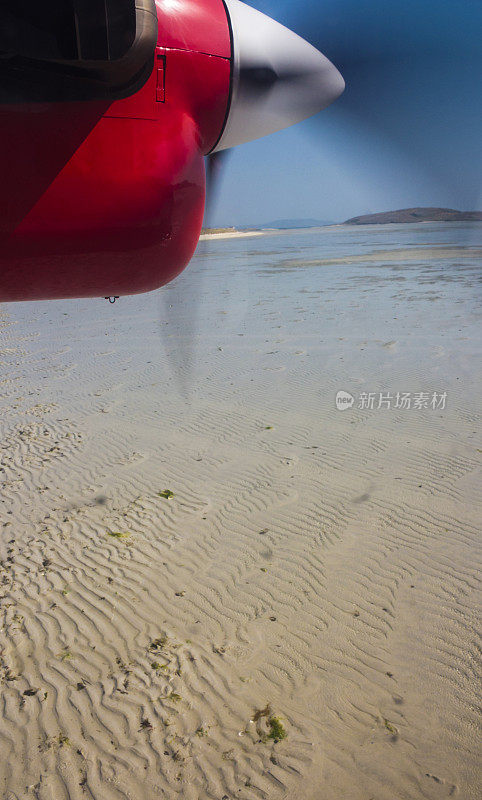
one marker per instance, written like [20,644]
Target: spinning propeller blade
[180,300]
[409,69]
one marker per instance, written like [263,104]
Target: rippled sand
[313,569]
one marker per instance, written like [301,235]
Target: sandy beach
[213,583]
[207,237]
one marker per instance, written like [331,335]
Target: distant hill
[417,215]
[285,224]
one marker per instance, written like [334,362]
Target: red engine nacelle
[108,199]
[103,197]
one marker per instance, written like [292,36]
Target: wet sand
[198,559]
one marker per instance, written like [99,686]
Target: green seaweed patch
[390,728]
[65,654]
[155,665]
[119,534]
[269,427]
[166,494]
[277,731]
[158,644]
[54,742]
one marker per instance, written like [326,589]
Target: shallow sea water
[415,286]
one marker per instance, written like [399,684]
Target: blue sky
[406,132]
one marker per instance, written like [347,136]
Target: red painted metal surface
[199,25]
[101,200]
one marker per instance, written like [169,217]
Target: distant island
[279,224]
[291,224]
[416,215]
[383,218]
